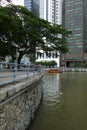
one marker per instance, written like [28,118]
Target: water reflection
[52,90]
[64,105]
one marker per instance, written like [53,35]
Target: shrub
[47,63]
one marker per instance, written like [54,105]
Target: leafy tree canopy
[24,30]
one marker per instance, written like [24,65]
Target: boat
[55,71]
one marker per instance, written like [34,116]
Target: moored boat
[55,71]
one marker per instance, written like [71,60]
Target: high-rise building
[32,5]
[50,10]
[75,19]
[43,9]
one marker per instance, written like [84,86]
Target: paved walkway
[7,77]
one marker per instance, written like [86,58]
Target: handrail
[13,72]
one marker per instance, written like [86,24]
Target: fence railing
[13,72]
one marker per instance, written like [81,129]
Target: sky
[18,2]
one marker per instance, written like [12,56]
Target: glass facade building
[32,5]
[75,19]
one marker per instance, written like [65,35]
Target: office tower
[75,19]
[50,10]
[32,5]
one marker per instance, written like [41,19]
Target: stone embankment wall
[19,103]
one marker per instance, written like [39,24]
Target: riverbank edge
[68,69]
[19,103]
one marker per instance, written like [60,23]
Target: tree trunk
[19,58]
[33,54]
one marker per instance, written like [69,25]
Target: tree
[57,38]
[6,37]
[23,29]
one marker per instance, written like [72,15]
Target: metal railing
[13,72]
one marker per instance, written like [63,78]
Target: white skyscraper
[50,10]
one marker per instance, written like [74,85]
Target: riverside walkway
[13,75]
[7,77]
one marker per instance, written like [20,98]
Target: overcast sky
[18,2]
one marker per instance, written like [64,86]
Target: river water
[64,103]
